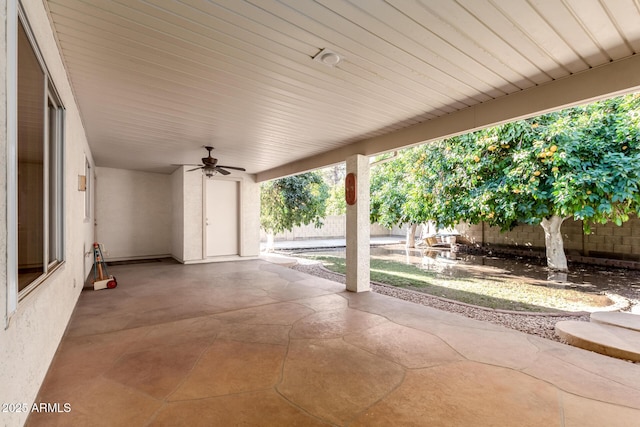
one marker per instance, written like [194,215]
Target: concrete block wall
[605,240]
[609,238]
[470,233]
[334,226]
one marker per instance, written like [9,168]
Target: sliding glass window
[40,135]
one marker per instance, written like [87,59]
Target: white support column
[358,229]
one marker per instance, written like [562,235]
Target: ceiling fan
[210,165]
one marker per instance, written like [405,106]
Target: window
[40,237]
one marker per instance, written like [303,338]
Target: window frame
[54,143]
[53,140]
[12,160]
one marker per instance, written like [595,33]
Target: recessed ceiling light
[328,58]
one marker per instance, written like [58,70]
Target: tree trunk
[556,258]
[270,245]
[429,229]
[411,235]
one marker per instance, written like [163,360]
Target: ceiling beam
[614,78]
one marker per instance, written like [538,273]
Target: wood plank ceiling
[158,79]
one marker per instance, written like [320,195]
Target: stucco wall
[133,213]
[193,221]
[28,343]
[187,221]
[606,240]
[141,215]
[5,336]
[177,214]
[250,216]
[3,176]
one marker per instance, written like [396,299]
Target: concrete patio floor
[254,343]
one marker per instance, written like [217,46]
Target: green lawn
[496,292]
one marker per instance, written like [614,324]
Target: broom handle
[100,274]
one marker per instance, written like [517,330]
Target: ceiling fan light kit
[210,166]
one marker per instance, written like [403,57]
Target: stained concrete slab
[609,340]
[623,320]
[253,343]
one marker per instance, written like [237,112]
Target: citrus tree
[334,177]
[582,162]
[292,201]
[391,188]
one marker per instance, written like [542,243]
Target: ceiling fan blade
[233,167]
[194,169]
[222,171]
[185,164]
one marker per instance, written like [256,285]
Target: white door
[222,217]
